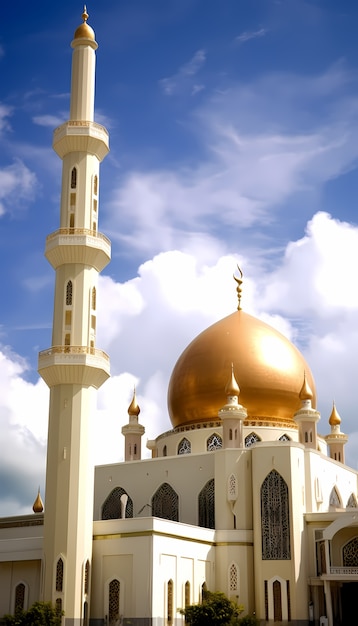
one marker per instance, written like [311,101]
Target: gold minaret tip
[133,408]
[232,388]
[38,506]
[238,288]
[334,418]
[306,391]
[85,15]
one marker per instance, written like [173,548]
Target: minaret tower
[306,417]
[73,367]
[233,415]
[133,432]
[336,439]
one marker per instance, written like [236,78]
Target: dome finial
[238,288]
[306,391]
[334,418]
[232,388]
[133,409]
[85,15]
[38,506]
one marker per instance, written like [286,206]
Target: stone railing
[74,350]
[350,571]
[78,231]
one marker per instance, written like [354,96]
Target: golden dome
[84,31]
[268,368]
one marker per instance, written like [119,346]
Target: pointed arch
[184,446]
[186,594]
[69,293]
[95,185]
[251,439]
[112,506]
[170,601]
[165,503]
[352,502]
[165,451]
[214,442]
[114,589]
[284,437]
[206,502]
[94,298]
[21,594]
[275,518]
[233,575]
[59,574]
[74,178]
[335,499]
[87,577]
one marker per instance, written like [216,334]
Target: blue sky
[233,127]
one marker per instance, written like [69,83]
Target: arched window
[69,293]
[58,605]
[73,178]
[352,502]
[214,442]
[59,575]
[277,601]
[350,553]
[95,185]
[184,446]
[207,505]
[233,579]
[251,439]
[112,506]
[275,519]
[113,601]
[284,438]
[94,298]
[165,503]
[87,577]
[165,451]
[19,598]
[204,589]
[187,594]
[334,498]
[170,601]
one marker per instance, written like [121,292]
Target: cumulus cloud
[50,121]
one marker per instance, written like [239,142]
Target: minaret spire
[238,288]
[73,367]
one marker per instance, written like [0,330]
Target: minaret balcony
[81,136]
[74,365]
[78,245]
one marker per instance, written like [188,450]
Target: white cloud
[179,82]
[5,113]
[253,34]
[50,121]
[17,187]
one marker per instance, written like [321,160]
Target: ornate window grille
[214,442]
[58,605]
[113,601]
[277,601]
[59,575]
[170,601]
[69,293]
[275,518]
[165,503]
[251,439]
[233,579]
[19,597]
[112,507]
[350,553]
[207,505]
[95,185]
[232,488]
[94,298]
[284,438]
[184,446]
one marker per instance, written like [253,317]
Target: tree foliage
[39,614]
[216,609]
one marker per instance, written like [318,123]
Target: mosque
[241,495]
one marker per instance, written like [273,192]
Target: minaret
[306,417]
[73,367]
[336,439]
[133,432]
[233,415]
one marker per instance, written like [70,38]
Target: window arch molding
[114,599]
[214,442]
[335,498]
[165,503]
[20,596]
[275,518]
[112,506]
[206,505]
[184,446]
[251,439]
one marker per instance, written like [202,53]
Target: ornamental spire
[85,15]
[238,288]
